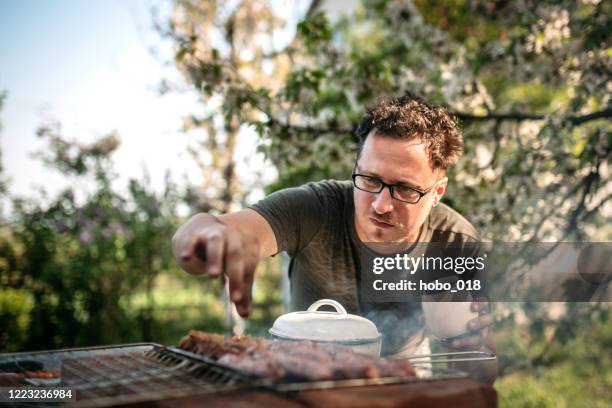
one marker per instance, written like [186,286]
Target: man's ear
[439,191]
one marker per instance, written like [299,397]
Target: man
[405,148]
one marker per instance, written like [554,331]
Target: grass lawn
[557,387]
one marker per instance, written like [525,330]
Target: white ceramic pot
[338,327]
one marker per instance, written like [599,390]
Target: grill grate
[120,375]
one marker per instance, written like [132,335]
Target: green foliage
[3,187]
[75,263]
[315,31]
[15,308]
[75,158]
[522,77]
[575,373]
[95,267]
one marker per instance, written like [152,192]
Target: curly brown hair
[409,117]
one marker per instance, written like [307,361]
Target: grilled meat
[292,361]
[216,345]
[11,379]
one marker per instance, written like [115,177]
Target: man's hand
[478,334]
[210,247]
[477,338]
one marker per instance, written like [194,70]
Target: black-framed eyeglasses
[399,192]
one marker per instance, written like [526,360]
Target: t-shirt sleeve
[295,215]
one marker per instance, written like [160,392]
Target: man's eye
[370,180]
[406,192]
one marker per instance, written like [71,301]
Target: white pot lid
[315,325]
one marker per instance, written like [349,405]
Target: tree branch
[519,117]
[308,129]
[588,214]
[578,120]
[588,183]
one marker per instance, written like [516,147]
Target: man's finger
[191,263]
[478,306]
[468,342]
[214,254]
[480,322]
[250,256]
[199,249]
[188,251]
[234,267]
[246,301]
[243,309]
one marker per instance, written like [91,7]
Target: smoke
[399,323]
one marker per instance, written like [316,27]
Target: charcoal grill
[103,376]
[131,373]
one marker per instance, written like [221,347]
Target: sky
[89,65]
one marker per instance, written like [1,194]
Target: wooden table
[457,393]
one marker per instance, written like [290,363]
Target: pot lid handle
[328,302]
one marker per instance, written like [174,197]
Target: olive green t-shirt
[315,225]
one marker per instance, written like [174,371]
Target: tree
[222,49]
[528,80]
[3,187]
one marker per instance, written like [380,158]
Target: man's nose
[383,203]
